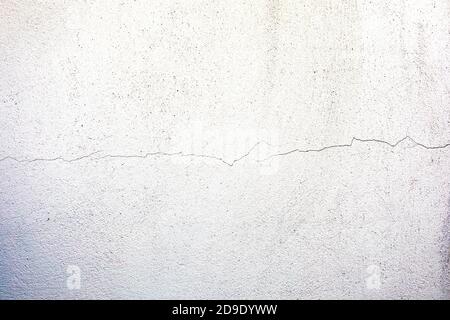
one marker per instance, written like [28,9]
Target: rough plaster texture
[225,149]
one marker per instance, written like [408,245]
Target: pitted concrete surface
[224,149]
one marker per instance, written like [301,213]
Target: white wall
[204,149]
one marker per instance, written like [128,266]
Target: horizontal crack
[222,160]
[349,145]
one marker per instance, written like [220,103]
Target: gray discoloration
[445,255]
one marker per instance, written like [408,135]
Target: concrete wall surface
[265,149]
